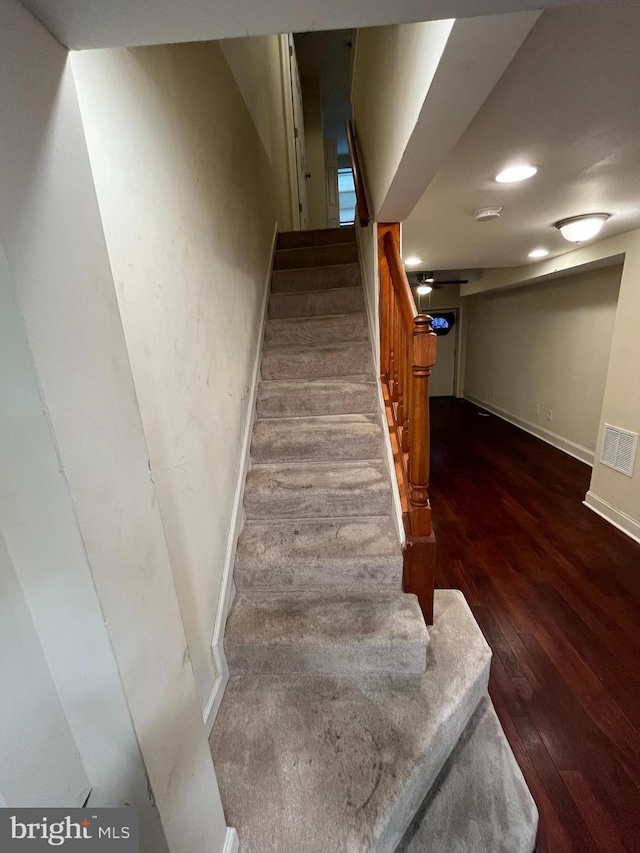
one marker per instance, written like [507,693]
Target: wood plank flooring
[556,591]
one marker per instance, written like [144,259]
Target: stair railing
[362,206]
[407,354]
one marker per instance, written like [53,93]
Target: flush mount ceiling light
[412,261]
[423,289]
[513,174]
[486,214]
[538,253]
[577,229]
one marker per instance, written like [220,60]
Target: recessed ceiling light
[423,289]
[577,229]
[539,253]
[412,261]
[513,174]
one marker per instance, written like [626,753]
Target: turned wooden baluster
[423,359]
[419,557]
[384,310]
[406,408]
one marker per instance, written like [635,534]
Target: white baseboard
[614,516]
[372,319]
[227,588]
[231,842]
[571,448]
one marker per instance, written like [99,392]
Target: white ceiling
[125,23]
[569,102]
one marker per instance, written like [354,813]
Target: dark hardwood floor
[556,591]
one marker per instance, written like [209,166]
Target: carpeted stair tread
[315,278]
[320,439]
[320,763]
[315,237]
[340,553]
[302,362]
[316,331]
[333,632]
[317,490]
[325,396]
[304,257]
[316,303]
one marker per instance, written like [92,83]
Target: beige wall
[393,69]
[61,283]
[257,66]
[186,193]
[545,345]
[610,492]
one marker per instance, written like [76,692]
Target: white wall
[47,552]
[545,345]
[39,761]
[64,293]
[186,193]
[393,69]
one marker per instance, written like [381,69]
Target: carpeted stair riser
[333,439]
[316,278]
[316,331]
[288,398]
[316,362]
[343,553]
[326,632]
[316,256]
[317,490]
[481,801]
[318,303]
[321,237]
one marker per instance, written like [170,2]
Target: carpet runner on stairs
[342,710]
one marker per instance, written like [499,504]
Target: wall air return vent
[619,449]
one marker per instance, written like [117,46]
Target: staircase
[346,725]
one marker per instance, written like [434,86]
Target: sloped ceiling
[125,23]
[569,103]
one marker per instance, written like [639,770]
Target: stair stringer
[371,310]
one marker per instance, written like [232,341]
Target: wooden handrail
[362,206]
[407,354]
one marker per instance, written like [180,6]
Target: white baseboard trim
[372,319]
[227,588]
[231,842]
[614,516]
[571,448]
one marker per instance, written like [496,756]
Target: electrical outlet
[537,410]
[549,415]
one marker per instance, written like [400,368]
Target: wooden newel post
[419,568]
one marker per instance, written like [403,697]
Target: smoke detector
[486,214]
